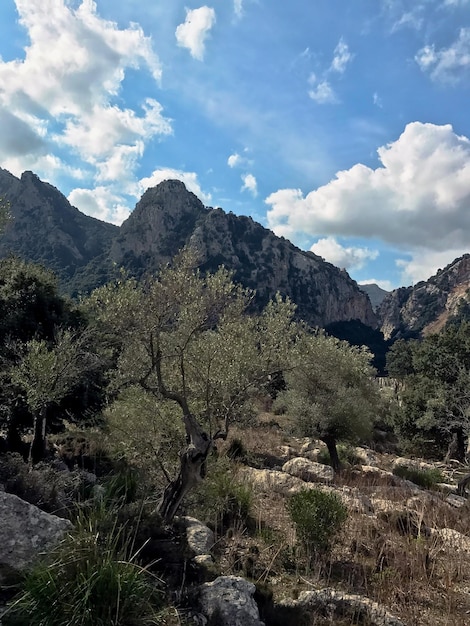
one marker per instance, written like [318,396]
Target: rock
[308,471]
[453,540]
[264,480]
[200,538]
[366,456]
[228,601]
[333,604]
[416,464]
[26,533]
[205,560]
[456,501]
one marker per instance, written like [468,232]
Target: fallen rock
[307,470]
[199,537]
[273,481]
[228,601]
[26,533]
[334,604]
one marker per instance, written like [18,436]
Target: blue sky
[342,125]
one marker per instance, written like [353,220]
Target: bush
[91,579]
[318,516]
[426,478]
[223,501]
[347,455]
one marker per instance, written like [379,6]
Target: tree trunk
[462,486]
[192,469]
[456,449]
[37,450]
[334,458]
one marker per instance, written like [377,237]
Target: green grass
[426,478]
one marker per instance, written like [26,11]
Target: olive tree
[186,338]
[330,391]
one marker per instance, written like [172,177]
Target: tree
[46,374]
[330,391]
[435,402]
[185,338]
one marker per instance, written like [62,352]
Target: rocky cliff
[47,229]
[426,307]
[86,252]
[168,217]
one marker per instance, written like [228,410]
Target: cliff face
[47,229]
[85,252]
[426,307]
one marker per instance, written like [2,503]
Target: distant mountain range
[85,252]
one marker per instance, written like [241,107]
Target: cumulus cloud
[192,33]
[238,7]
[250,184]
[447,64]
[188,178]
[341,57]
[66,97]
[418,198]
[424,263]
[350,258]
[234,160]
[101,203]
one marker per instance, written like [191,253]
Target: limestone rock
[308,471]
[264,480]
[26,532]
[334,604]
[200,538]
[228,601]
[454,541]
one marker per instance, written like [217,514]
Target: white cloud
[446,64]
[101,203]
[341,57]
[425,263]
[377,100]
[351,258]
[323,93]
[234,160]
[419,198]
[193,32]
[188,178]
[238,7]
[250,184]
[64,94]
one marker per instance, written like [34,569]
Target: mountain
[85,252]
[426,307]
[47,229]
[376,294]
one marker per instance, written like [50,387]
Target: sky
[342,125]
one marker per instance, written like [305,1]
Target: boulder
[264,480]
[308,471]
[456,501]
[454,541]
[334,604]
[26,533]
[199,537]
[228,601]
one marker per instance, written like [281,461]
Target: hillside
[86,252]
[426,307]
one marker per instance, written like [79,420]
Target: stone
[228,601]
[456,501]
[308,471]
[264,480]
[26,533]
[453,540]
[199,537]
[333,604]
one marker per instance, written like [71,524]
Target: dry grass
[396,557]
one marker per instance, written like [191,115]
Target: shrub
[223,501]
[426,478]
[90,580]
[347,455]
[318,516]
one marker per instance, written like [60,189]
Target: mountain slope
[47,229]
[426,307]
[85,252]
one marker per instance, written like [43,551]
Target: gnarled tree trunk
[192,468]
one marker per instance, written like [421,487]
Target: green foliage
[426,478]
[89,580]
[318,516]
[330,390]
[347,455]
[223,501]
